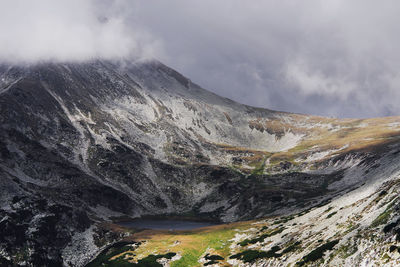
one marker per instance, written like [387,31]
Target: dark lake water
[164,224]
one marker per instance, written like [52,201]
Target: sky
[333,57]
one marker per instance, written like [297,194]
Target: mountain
[82,144]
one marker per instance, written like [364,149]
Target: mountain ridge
[87,142]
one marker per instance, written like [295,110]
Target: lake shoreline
[165,217]
[168,224]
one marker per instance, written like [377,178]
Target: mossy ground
[189,245]
[350,135]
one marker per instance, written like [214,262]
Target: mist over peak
[334,58]
[46,30]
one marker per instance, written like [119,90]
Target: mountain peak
[84,142]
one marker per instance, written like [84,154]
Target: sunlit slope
[360,228]
[87,142]
[323,140]
[357,226]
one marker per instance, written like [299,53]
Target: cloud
[336,57]
[314,82]
[68,30]
[333,57]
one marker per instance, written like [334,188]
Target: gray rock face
[80,143]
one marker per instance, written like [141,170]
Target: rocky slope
[81,143]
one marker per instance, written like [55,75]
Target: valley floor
[360,228]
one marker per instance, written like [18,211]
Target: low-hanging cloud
[67,30]
[332,57]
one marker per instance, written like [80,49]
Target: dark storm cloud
[331,57]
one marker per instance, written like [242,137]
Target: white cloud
[67,30]
[312,81]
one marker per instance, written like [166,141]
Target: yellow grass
[191,245]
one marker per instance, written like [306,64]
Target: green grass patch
[383,217]
[292,247]
[284,219]
[212,259]
[151,260]
[328,209]
[104,257]
[347,250]
[331,214]
[262,237]
[317,253]
[250,256]
[217,240]
[190,257]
